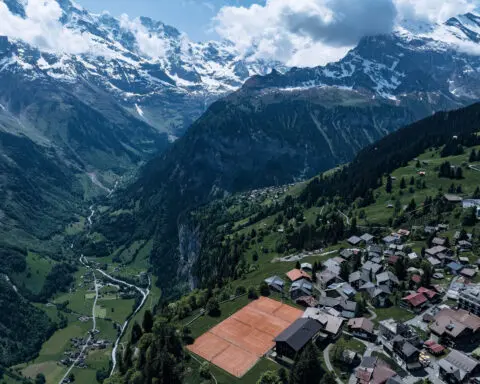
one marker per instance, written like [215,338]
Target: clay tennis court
[238,342]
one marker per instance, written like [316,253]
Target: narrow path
[94,327]
[373,314]
[345,216]
[326,358]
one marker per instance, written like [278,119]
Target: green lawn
[397,313]
[34,276]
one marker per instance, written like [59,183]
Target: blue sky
[190,16]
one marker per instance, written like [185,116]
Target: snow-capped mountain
[441,60]
[167,83]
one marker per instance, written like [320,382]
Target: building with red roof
[415,301]
[297,274]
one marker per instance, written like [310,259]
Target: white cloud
[148,43]
[315,32]
[434,10]
[42,28]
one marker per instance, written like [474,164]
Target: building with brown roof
[361,327]
[455,328]
[415,302]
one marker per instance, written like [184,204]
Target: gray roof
[299,333]
[354,240]
[462,361]
[366,237]
[367,285]
[387,276]
[370,266]
[368,362]
[303,285]
[275,280]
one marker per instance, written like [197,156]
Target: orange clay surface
[238,342]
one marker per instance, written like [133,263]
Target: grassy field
[429,161]
[34,276]
[397,313]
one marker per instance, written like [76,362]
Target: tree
[470,217]
[136,333]
[344,271]
[297,265]
[40,379]
[252,293]
[458,173]
[412,181]
[400,269]
[213,307]
[264,289]
[269,377]
[127,357]
[476,194]
[473,156]
[283,376]
[388,186]
[306,366]
[403,183]
[147,323]
[71,377]
[427,274]
[255,257]
[418,165]
[328,378]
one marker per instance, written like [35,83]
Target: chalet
[297,274]
[373,371]
[452,199]
[454,267]
[434,251]
[404,232]
[432,296]
[406,352]
[306,267]
[415,302]
[354,240]
[293,339]
[332,265]
[375,249]
[340,290]
[379,296]
[358,278]
[430,230]
[366,287]
[361,327]
[458,367]
[327,277]
[331,325]
[439,241]
[465,245]
[372,268]
[413,256]
[469,273]
[347,308]
[275,283]
[455,328]
[302,287]
[434,262]
[367,238]
[391,239]
[388,279]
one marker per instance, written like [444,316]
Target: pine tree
[459,173]
[147,323]
[306,366]
[388,185]
[412,181]
[344,271]
[473,156]
[476,194]
[136,333]
[403,184]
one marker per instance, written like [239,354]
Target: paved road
[326,358]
